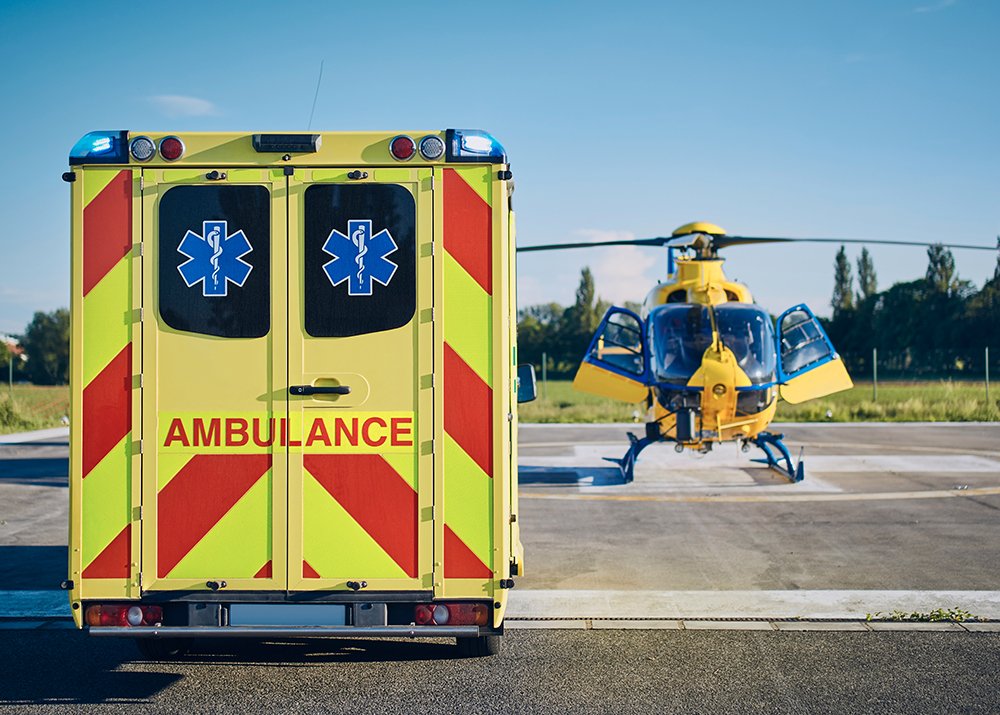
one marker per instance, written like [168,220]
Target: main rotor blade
[593,244]
[724,241]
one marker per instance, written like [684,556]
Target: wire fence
[896,366]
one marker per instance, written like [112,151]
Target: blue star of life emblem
[215,259]
[359,257]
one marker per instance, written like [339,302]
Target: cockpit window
[620,343]
[680,334]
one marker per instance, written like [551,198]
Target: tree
[579,321]
[940,269]
[537,333]
[843,292]
[46,345]
[867,281]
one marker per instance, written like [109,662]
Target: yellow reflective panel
[238,545]
[336,545]
[107,500]
[819,382]
[468,500]
[598,381]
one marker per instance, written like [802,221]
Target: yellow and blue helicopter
[708,362]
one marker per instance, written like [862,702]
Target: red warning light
[171,148]
[402,148]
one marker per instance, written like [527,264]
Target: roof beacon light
[402,148]
[100,148]
[431,147]
[474,145]
[171,148]
[142,148]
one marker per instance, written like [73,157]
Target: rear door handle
[311,390]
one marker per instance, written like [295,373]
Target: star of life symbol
[215,259]
[359,257]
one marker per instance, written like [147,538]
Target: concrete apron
[802,610]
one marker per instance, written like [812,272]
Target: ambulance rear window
[215,260]
[360,258]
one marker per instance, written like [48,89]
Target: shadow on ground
[36,665]
[32,568]
[35,471]
[570,476]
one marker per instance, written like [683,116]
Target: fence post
[545,382]
[987,362]
[874,374]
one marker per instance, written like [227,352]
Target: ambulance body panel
[293,383]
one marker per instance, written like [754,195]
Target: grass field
[897,402]
[32,407]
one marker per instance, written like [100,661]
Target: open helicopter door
[808,366]
[615,365]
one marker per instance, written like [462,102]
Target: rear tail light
[454,614]
[124,615]
[402,148]
[424,615]
[171,148]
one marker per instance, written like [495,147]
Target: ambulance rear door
[213,379]
[360,380]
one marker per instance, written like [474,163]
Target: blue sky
[859,119]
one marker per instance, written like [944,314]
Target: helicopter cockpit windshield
[679,334]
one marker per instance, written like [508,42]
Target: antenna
[319,81]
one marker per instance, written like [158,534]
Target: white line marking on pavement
[34,436]
[574,605]
[525,493]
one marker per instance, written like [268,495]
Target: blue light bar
[100,148]
[473,145]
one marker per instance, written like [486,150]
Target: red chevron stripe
[107,409]
[376,497]
[107,229]
[308,571]
[468,229]
[114,561]
[459,561]
[265,571]
[196,499]
[468,409]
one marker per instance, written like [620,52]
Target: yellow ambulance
[294,386]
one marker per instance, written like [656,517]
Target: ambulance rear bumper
[289,631]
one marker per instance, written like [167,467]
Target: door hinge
[138,580]
[139,446]
[140,382]
[142,182]
[140,250]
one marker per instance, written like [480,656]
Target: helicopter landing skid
[766,440]
[635,447]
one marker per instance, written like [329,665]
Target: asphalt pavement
[537,672]
[627,595]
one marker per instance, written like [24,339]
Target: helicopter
[709,363]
